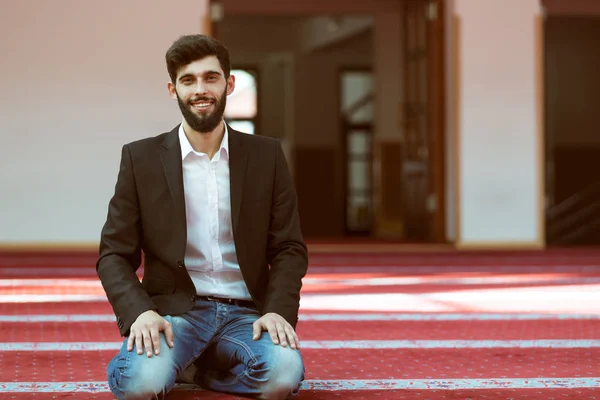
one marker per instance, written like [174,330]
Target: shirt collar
[186,147]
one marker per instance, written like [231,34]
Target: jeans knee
[281,389]
[139,388]
[126,388]
[147,391]
[285,374]
[146,381]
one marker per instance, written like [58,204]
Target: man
[214,212]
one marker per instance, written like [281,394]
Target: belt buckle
[223,300]
[210,298]
[231,301]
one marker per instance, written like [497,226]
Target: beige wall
[495,97]
[79,79]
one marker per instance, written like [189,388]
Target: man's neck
[205,142]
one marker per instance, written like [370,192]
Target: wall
[269,44]
[389,95]
[307,7]
[318,140]
[572,79]
[317,89]
[312,129]
[571,7]
[322,31]
[79,79]
[572,101]
[452,109]
[497,132]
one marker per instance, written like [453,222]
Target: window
[242,105]
[357,110]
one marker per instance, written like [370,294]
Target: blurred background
[445,155]
[463,123]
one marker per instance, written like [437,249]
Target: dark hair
[190,48]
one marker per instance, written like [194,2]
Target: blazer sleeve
[120,250]
[286,250]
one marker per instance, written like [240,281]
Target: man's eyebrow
[190,75]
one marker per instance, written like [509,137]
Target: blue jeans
[217,338]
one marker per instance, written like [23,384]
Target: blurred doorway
[423,188]
[572,101]
[360,156]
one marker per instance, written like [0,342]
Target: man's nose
[200,88]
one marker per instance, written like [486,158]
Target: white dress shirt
[210,256]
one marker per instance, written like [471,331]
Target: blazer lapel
[238,158]
[170,157]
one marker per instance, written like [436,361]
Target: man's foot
[187,375]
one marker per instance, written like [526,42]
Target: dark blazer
[147,215]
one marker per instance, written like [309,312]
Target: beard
[203,123]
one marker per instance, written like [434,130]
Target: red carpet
[441,325]
[344,330]
[534,394]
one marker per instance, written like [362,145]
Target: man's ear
[230,84]
[172,90]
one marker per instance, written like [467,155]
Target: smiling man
[214,212]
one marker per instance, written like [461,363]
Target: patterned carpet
[393,325]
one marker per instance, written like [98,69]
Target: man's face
[201,91]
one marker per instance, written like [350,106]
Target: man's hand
[279,329]
[145,333]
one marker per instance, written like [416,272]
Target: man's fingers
[169,334]
[292,337]
[155,340]
[273,332]
[130,341]
[256,330]
[279,329]
[147,343]
[282,336]
[297,339]
[138,343]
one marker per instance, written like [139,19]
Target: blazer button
[180,264]
[193,298]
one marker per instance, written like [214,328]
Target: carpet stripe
[353,281]
[338,344]
[466,281]
[338,385]
[55,271]
[332,317]
[446,317]
[45,298]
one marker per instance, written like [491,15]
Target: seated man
[214,212]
